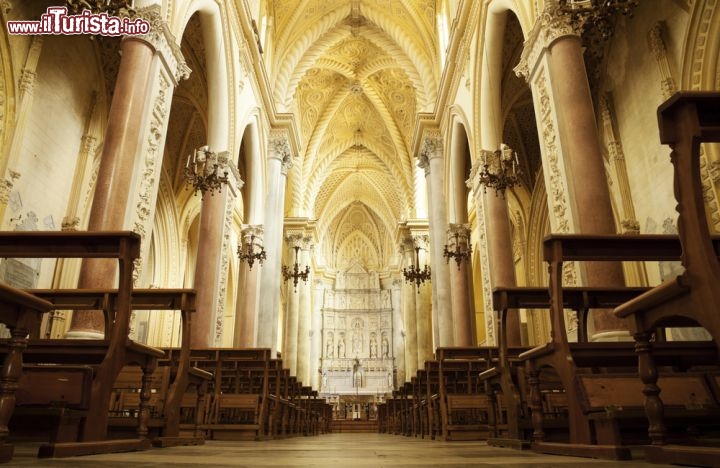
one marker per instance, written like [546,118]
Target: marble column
[398,329]
[305,314]
[431,159]
[316,332]
[409,315]
[462,312]
[279,162]
[292,308]
[248,297]
[124,141]
[579,200]
[423,306]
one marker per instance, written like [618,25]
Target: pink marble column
[584,162]
[207,273]
[115,174]
[462,312]
[502,263]
[248,296]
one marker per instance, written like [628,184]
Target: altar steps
[350,426]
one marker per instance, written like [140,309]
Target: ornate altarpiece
[357,336]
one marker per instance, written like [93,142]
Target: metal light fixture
[414,274]
[458,246]
[500,169]
[597,14]
[248,252]
[295,273]
[207,171]
[96,7]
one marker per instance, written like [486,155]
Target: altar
[357,337]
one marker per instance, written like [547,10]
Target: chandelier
[295,273]
[458,246]
[500,170]
[96,7]
[249,253]
[414,274]
[203,170]
[596,14]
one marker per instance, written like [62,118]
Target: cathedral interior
[352,186]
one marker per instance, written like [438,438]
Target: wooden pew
[692,298]
[178,378]
[464,406]
[589,437]
[239,393]
[20,312]
[117,350]
[507,379]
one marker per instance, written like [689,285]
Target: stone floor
[330,450]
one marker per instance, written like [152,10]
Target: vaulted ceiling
[355,73]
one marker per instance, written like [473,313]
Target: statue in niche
[385,347]
[324,379]
[341,348]
[373,347]
[356,343]
[386,300]
[329,347]
[357,373]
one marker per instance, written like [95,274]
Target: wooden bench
[465,410]
[507,380]
[20,312]
[181,377]
[238,394]
[560,362]
[112,353]
[693,298]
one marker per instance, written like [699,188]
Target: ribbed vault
[355,73]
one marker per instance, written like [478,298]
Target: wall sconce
[414,274]
[252,250]
[295,272]
[500,169]
[458,245]
[206,170]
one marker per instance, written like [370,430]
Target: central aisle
[330,450]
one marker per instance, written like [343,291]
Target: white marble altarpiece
[357,336]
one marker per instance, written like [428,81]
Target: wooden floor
[330,450]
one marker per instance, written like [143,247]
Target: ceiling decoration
[355,73]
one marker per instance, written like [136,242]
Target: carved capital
[164,43]
[552,25]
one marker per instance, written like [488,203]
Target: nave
[329,450]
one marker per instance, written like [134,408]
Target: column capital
[163,42]
[250,230]
[551,25]
[279,148]
[462,229]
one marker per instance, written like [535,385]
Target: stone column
[279,162]
[137,120]
[290,340]
[409,317]
[305,314]
[398,328]
[552,62]
[431,159]
[423,305]
[316,333]
[462,312]
[248,297]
